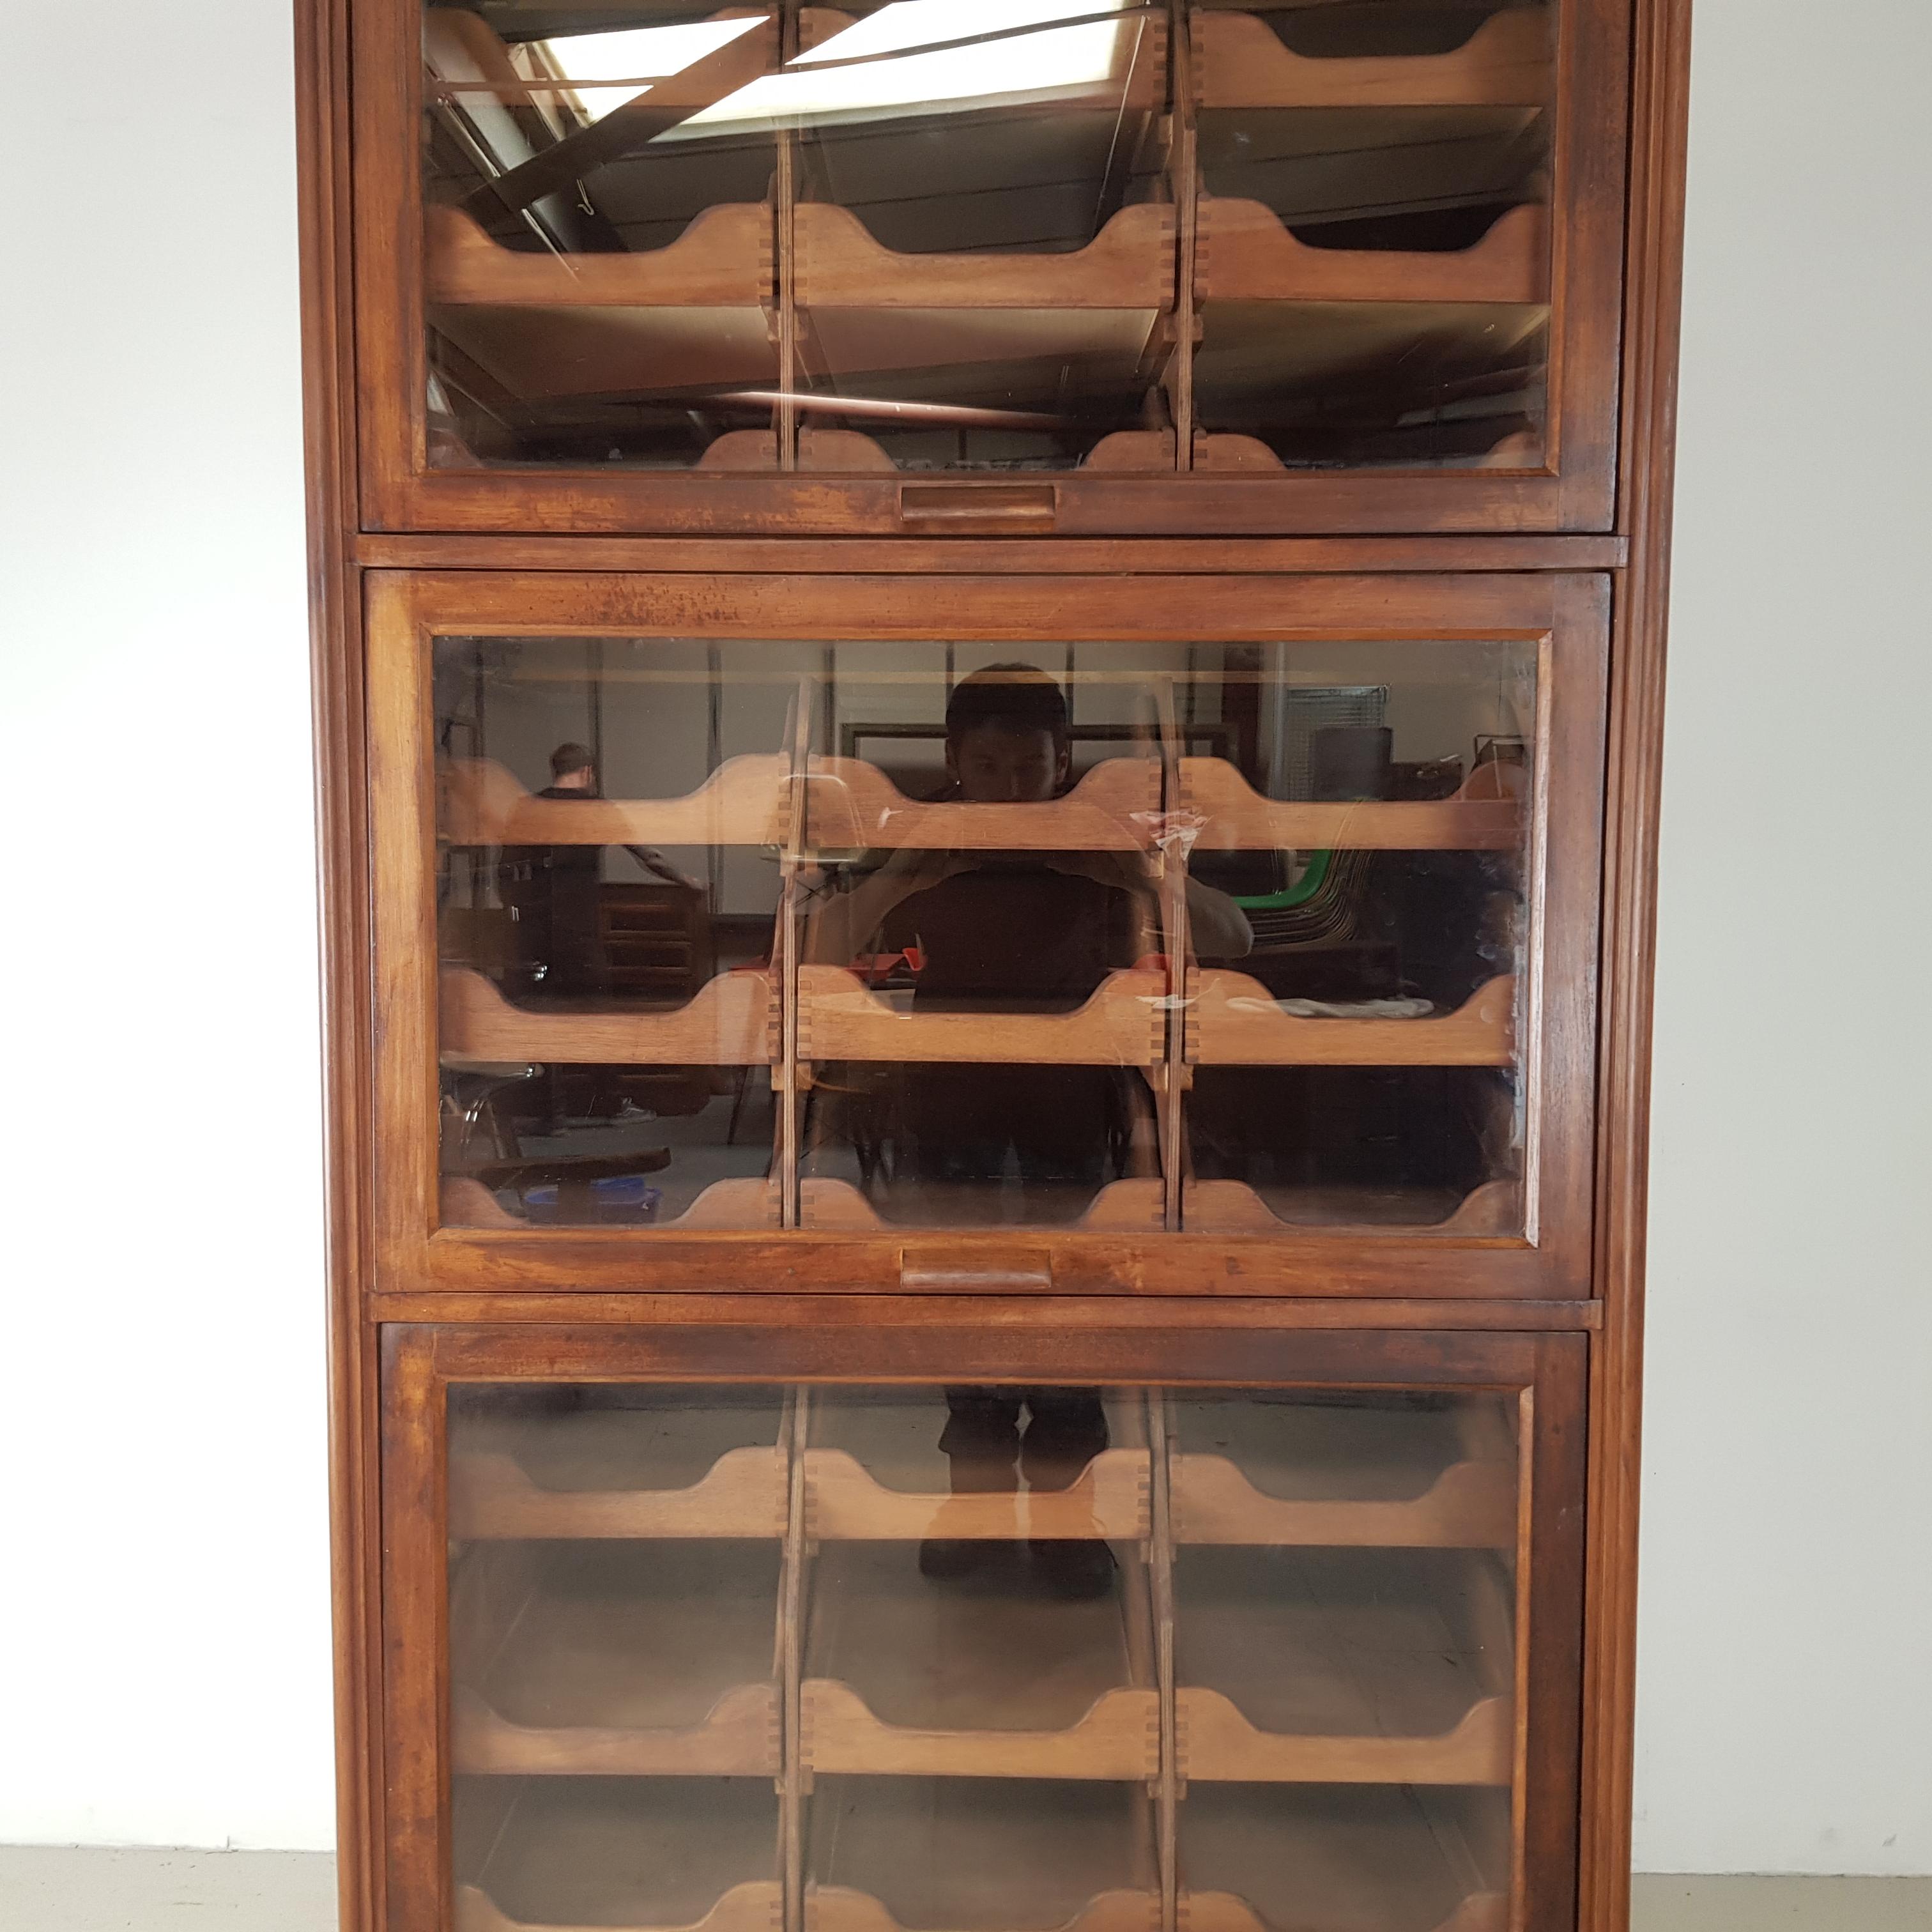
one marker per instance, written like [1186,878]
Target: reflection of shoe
[1073,1570]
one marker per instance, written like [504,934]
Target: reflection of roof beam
[880,410]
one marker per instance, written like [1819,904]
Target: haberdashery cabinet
[988,699]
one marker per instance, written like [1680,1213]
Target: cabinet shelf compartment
[1493,1210]
[1240,62]
[1260,1857]
[1237,817]
[621,1659]
[1379,1476]
[1234,1021]
[1122,1025]
[874,1471]
[1342,1666]
[906,1677]
[728,1024]
[742,802]
[619,1855]
[1136,1206]
[1246,253]
[666,1469]
[980,1855]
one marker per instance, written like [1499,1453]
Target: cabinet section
[1115,267]
[1126,920]
[1034,1684]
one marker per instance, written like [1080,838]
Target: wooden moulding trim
[1246,254]
[850,804]
[1237,817]
[1470,1505]
[845,1502]
[1223,1911]
[1128,265]
[1217,1744]
[756,1906]
[1122,1025]
[1118,1737]
[740,1736]
[1506,63]
[727,1024]
[1234,1020]
[1132,1206]
[742,802]
[732,1206]
[837,1908]
[491,1497]
[722,260]
[1233,1207]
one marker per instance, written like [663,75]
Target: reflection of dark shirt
[554,890]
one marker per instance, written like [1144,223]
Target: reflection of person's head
[573,769]
[1006,736]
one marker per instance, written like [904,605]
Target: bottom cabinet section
[1294,1652]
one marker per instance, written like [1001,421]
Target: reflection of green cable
[1303,889]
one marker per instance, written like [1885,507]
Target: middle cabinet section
[1096,937]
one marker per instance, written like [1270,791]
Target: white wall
[1785,1673]
[164,1625]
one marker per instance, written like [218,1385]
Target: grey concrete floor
[50,1890]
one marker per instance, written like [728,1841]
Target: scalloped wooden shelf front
[1109,1499]
[492,1495]
[1238,818]
[728,1024]
[742,802]
[1492,1211]
[1216,1743]
[1119,1737]
[850,804]
[758,1905]
[1469,1505]
[725,1206]
[839,1908]
[1123,1024]
[1240,62]
[1234,1021]
[1128,265]
[1137,1206]
[1246,253]
[738,1736]
[722,260]
[1226,1912]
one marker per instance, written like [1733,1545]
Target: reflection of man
[553,891]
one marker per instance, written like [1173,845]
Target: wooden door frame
[1577,493]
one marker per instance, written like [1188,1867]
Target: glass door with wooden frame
[1010,1648]
[1051,265]
[1241,938]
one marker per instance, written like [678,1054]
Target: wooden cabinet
[988,689]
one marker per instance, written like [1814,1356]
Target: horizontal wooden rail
[728,1024]
[1215,1742]
[1233,1020]
[1234,816]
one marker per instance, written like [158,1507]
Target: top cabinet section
[1051,267]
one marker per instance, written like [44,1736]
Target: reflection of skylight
[636,54]
[1049,60]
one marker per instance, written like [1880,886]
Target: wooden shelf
[1234,1021]
[1316,1476]
[1493,1211]
[1128,265]
[722,260]
[724,1206]
[1342,1666]
[1227,454]
[1136,1206]
[661,1471]
[619,1855]
[1240,62]
[742,802]
[616,1659]
[1263,1858]
[1123,1024]
[1246,254]
[906,1677]
[728,1024]
[980,1855]
[1238,818]
[851,804]
[874,1471]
